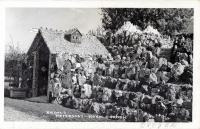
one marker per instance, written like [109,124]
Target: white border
[96,4]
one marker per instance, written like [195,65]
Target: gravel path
[11,114]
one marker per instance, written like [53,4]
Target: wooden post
[35,75]
[49,75]
[19,74]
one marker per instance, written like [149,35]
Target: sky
[20,20]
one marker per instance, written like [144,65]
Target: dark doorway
[42,78]
[43,67]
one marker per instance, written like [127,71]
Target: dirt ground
[11,114]
[16,109]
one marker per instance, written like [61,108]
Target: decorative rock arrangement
[132,99]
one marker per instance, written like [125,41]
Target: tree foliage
[14,56]
[166,20]
[99,31]
[14,52]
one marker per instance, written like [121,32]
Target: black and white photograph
[98,64]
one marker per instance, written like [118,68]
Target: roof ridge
[71,31]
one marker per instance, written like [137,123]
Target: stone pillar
[35,74]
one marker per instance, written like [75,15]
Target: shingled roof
[56,43]
[72,31]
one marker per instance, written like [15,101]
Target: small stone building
[48,44]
